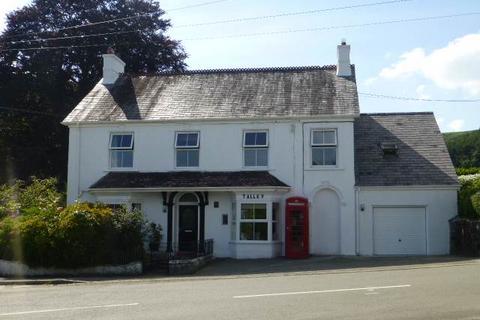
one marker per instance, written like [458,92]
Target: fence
[465,237]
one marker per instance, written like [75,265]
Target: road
[434,292]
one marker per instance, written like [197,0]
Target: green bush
[468,196]
[467,171]
[40,194]
[9,204]
[81,235]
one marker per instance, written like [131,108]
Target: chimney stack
[343,55]
[113,67]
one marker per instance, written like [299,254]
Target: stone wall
[17,269]
[187,266]
[465,237]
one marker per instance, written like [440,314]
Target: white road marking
[68,309]
[321,291]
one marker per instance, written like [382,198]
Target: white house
[218,154]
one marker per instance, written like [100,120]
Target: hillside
[464,148]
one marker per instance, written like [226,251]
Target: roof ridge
[395,113]
[238,70]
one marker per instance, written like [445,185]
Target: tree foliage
[469,196]
[40,195]
[464,148]
[49,83]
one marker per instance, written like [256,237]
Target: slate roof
[188,179]
[221,94]
[422,158]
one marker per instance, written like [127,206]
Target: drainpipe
[357,224]
[79,193]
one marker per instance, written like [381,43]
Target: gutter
[322,118]
[418,187]
[173,189]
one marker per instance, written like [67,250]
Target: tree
[49,83]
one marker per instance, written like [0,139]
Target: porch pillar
[168,201]
[203,196]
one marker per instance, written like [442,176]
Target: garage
[399,231]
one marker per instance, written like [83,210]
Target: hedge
[467,171]
[81,235]
[469,196]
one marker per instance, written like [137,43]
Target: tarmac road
[443,291]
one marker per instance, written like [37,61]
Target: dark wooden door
[188,228]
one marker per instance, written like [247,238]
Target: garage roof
[422,157]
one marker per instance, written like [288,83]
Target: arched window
[188,197]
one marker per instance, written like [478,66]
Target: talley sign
[253,196]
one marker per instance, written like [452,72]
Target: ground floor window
[253,221]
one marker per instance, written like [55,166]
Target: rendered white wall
[221,149]
[214,229]
[325,235]
[440,204]
[339,179]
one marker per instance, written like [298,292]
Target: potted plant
[154,236]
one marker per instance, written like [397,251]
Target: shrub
[8,235]
[154,233]
[468,196]
[8,199]
[81,235]
[467,171]
[41,194]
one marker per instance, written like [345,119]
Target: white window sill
[324,168]
[256,168]
[120,169]
[255,242]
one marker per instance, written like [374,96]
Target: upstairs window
[187,146]
[121,150]
[324,147]
[255,149]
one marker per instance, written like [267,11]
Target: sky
[434,59]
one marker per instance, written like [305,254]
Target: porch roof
[188,180]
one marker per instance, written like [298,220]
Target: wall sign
[253,196]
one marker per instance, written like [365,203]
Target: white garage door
[399,231]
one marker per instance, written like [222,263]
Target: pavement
[233,268]
[315,288]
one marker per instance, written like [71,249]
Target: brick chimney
[343,55]
[113,67]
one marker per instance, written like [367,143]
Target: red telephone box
[296,223]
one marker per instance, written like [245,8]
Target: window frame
[129,148]
[323,145]
[265,147]
[197,146]
[186,148]
[267,221]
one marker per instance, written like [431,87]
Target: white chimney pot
[113,67]
[343,55]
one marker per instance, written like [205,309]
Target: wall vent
[389,148]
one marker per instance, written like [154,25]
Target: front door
[188,228]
